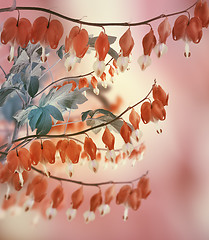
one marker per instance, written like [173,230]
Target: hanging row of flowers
[25,161]
[49,32]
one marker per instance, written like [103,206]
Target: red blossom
[96,201]
[123,194]
[77,198]
[57,196]
[126,43]
[202,12]
[125,132]
[134,119]
[164,30]
[149,42]
[90,148]
[144,186]
[108,139]
[102,46]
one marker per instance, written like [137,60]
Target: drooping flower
[70,153]
[57,197]
[94,84]
[138,153]
[122,198]
[83,83]
[109,141]
[126,43]
[19,161]
[146,112]
[154,112]
[77,199]
[144,186]
[76,45]
[160,94]
[148,42]
[91,149]
[36,191]
[102,47]
[103,77]
[111,71]
[15,180]
[43,153]
[16,32]
[202,12]
[134,119]
[95,202]
[109,196]
[164,30]
[188,30]
[47,32]
[125,133]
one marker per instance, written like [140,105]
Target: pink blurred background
[177,160]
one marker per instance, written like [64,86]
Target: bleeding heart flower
[102,47]
[76,45]
[148,42]
[154,112]
[144,186]
[57,197]
[94,84]
[134,119]
[77,199]
[36,191]
[18,161]
[109,196]
[126,43]
[16,32]
[187,30]
[164,30]
[125,133]
[47,32]
[202,12]
[159,94]
[43,153]
[95,202]
[91,149]
[109,141]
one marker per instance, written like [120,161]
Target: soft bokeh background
[178,159]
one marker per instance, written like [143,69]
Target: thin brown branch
[79,21]
[68,78]
[90,184]
[85,130]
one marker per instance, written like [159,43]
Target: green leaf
[4,94]
[113,53]
[84,115]
[59,52]
[33,117]
[115,125]
[72,99]
[44,123]
[55,95]
[33,86]
[55,112]
[92,113]
[22,115]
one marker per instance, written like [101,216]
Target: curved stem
[95,24]
[90,184]
[85,130]
[67,78]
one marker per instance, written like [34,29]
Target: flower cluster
[26,171]
[36,197]
[49,32]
